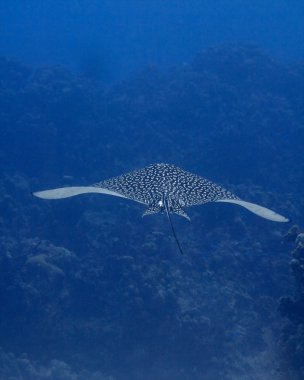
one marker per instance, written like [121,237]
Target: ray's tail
[172,227]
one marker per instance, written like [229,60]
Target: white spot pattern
[165,181]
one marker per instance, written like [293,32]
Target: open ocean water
[90,290]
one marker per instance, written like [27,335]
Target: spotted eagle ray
[163,188]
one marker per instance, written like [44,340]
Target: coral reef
[87,285]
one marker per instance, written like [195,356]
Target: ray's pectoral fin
[257,209]
[66,192]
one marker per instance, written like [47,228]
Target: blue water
[109,39]
[88,288]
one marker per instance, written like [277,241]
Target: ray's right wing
[204,191]
[261,211]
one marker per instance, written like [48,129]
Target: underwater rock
[300,240]
[292,338]
[292,233]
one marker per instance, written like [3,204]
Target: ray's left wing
[67,192]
